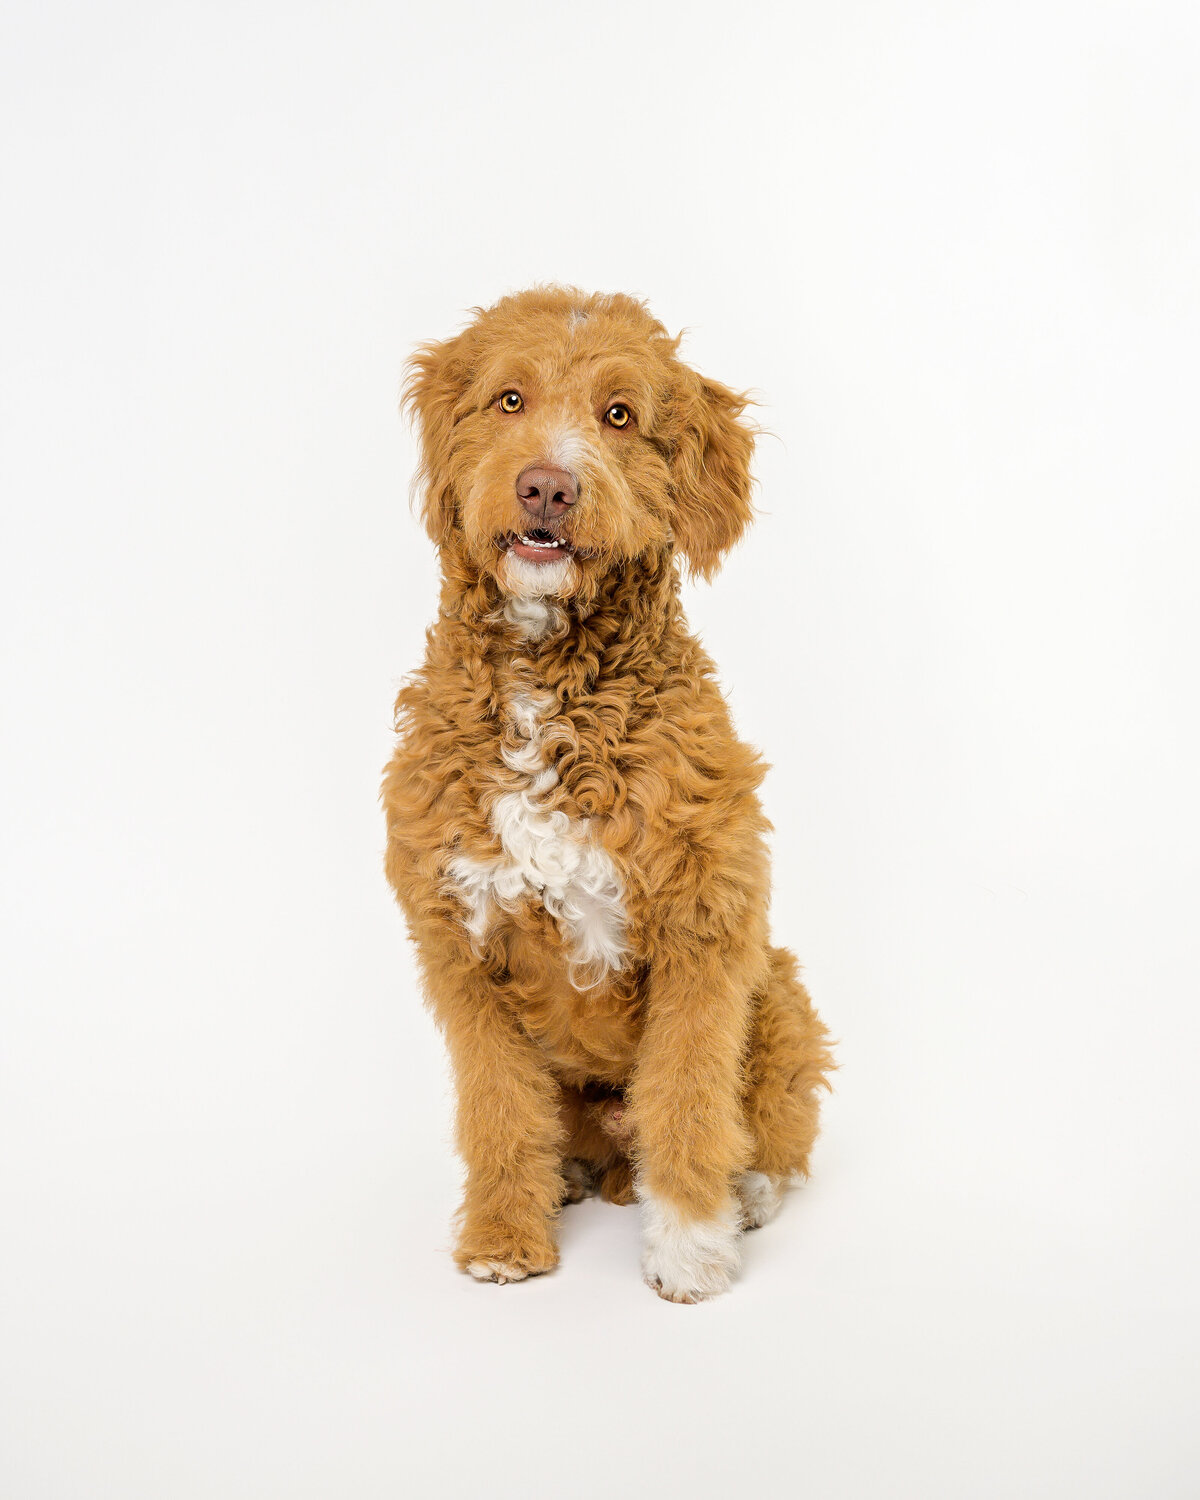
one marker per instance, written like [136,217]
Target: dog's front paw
[502,1258]
[507,1267]
[498,1271]
[685,1259]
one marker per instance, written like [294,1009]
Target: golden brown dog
[574,831]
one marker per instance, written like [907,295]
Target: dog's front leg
[508,1132]
[686,1100]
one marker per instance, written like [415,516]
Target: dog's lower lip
[538,546]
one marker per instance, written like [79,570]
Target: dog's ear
[437,376]
[710,471]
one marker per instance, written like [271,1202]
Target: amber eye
[618,416]
[510,402]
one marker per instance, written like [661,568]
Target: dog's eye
[618,416]
[510,402]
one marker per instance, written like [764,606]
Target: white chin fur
[530,580]
[688,1260]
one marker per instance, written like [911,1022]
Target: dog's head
[561,438]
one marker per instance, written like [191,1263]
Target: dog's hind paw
[616,1186]
[760,1197]
[579,1180]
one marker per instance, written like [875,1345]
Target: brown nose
[546,493]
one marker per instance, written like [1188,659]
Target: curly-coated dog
[574,830]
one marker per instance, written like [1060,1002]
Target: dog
[574,831]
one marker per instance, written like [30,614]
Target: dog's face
[561,438]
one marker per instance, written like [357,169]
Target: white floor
[225,1270]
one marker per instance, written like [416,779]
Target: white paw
[495,1270]
[760,1197]
[687,1260]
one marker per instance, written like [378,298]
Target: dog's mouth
[537,546]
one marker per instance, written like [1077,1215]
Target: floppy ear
[710,472]
[437,377]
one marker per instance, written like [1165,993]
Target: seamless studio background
[952,248]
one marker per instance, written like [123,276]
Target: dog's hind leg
[596,1141]
[786,1066]
[616,1183]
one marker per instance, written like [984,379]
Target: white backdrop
[953,248]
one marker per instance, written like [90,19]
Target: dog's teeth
[529,541]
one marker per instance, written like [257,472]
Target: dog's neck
[626,625]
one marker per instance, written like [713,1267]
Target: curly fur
[574,829]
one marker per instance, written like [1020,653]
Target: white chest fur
[546,856]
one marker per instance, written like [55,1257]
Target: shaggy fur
[574,830]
